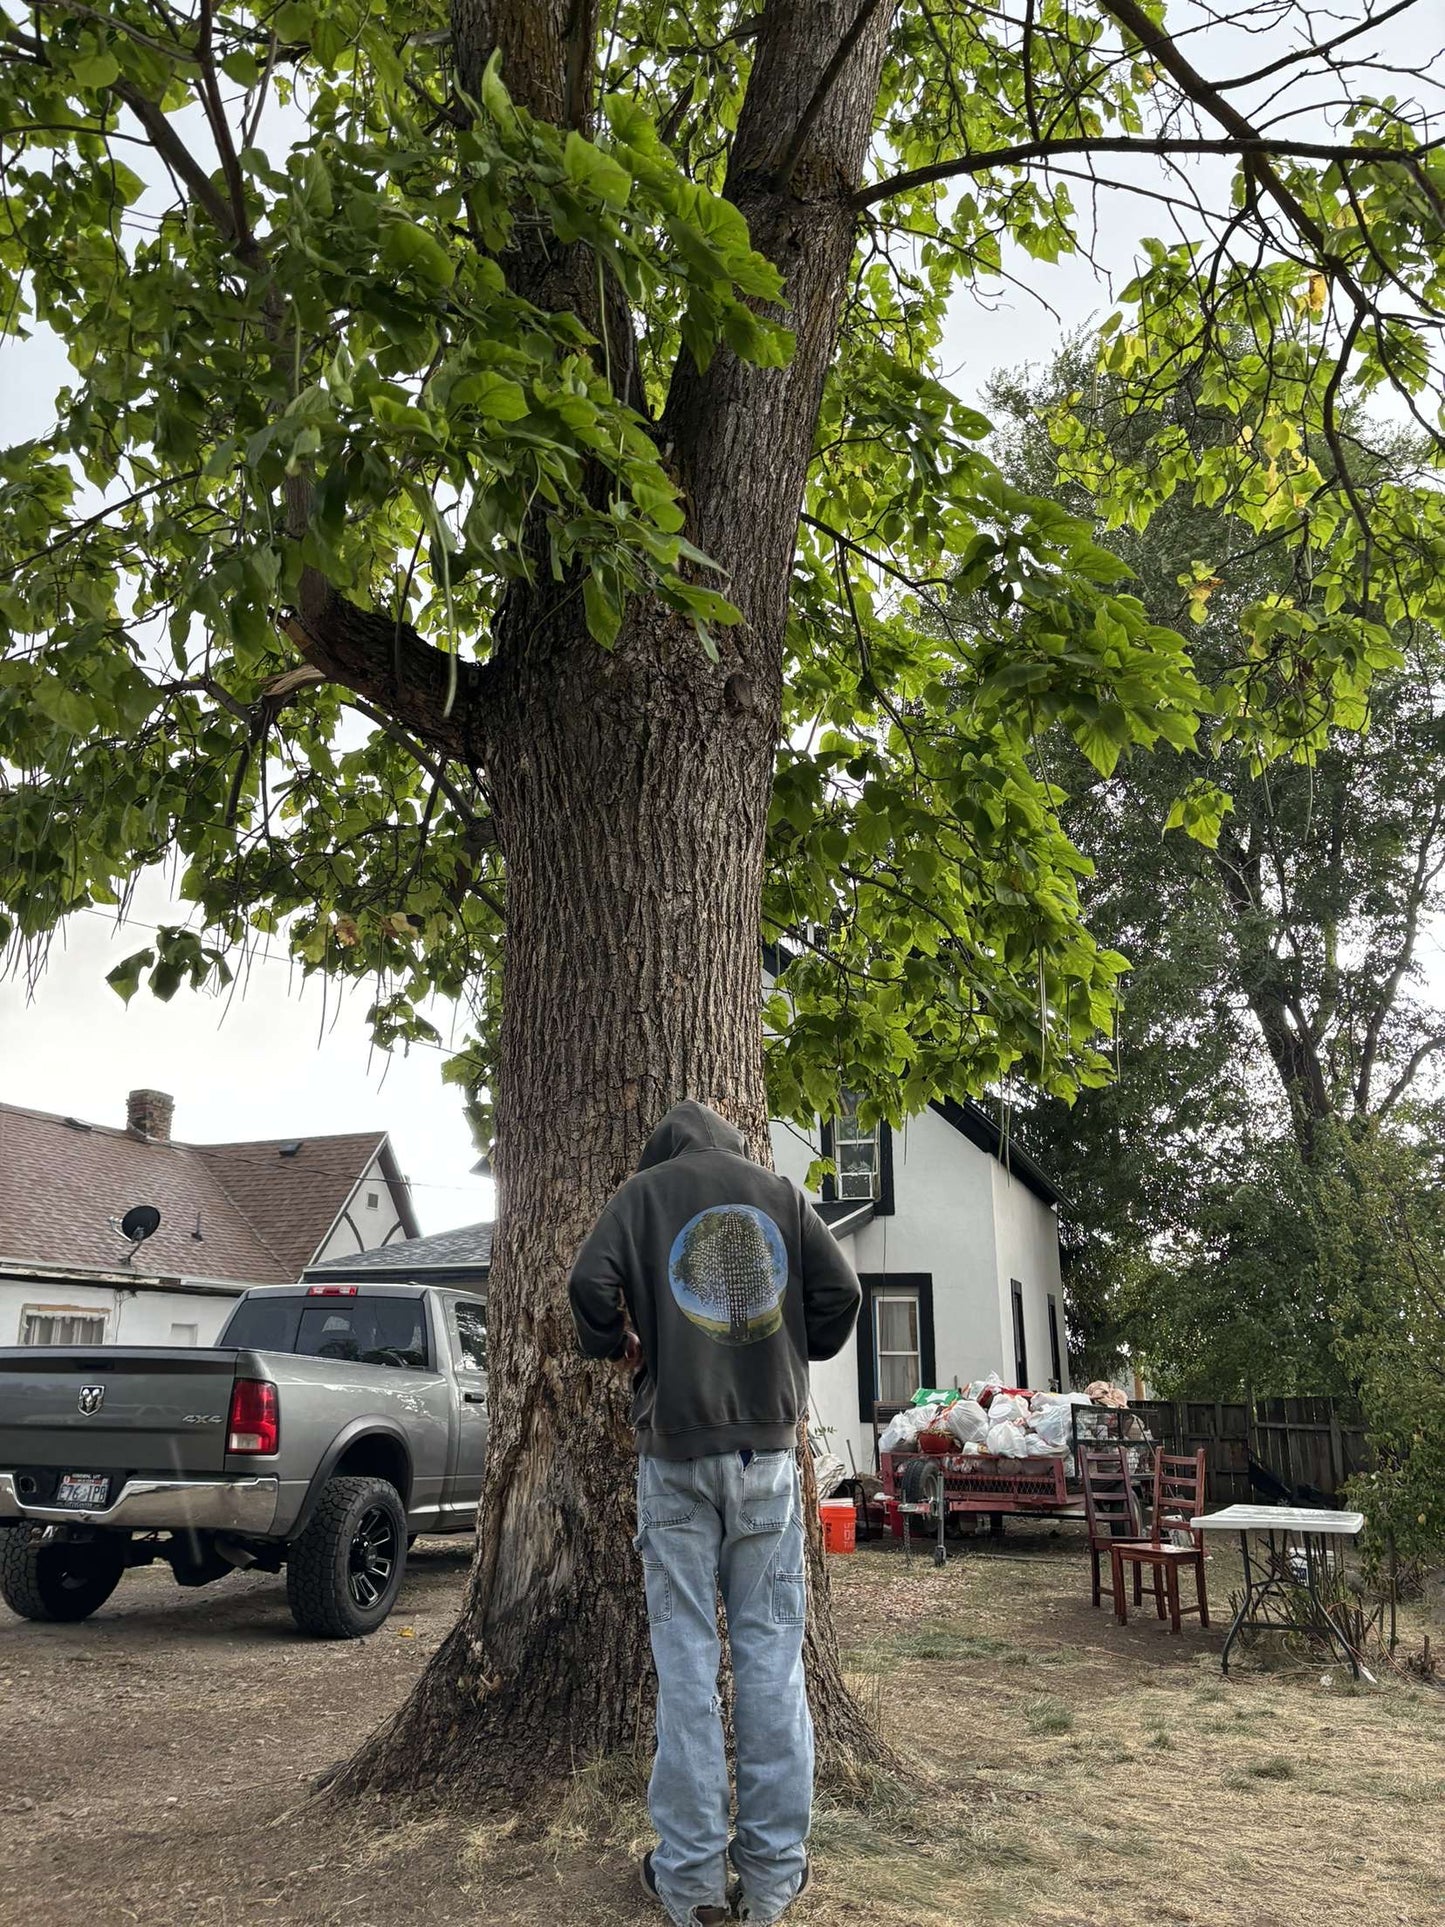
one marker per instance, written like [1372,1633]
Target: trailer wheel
[343,1573]
[64,1581]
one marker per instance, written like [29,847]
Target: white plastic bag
[1036,1446]
[967,1421]
[1052,1425]
[901,1432]
[981,1385]
[1007,1440]
[1004,1407]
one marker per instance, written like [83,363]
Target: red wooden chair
[1111,1509]
[1178,1501]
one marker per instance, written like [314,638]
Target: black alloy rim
[373,1558]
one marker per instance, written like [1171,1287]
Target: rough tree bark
[630,792]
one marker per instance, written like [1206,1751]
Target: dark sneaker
[648,1878]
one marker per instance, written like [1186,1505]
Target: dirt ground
[158,1761]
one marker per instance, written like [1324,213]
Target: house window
[59,1325]
[371,1201]
[895,1338]
[898,1358]
[1021,1350]
[1056,1350]
[856,1152]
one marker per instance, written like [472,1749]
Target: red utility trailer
[932,1488]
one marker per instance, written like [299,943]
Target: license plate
[82,1489]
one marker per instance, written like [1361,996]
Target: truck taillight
[255,1422]
[331,1291]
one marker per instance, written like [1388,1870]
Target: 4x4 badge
[92,1397]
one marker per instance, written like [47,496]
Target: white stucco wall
[138,1315]
[960,1217]
[362,1226]
[943,1224]
[1026,1237]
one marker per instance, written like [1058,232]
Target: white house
[226,1216]
[954,1233]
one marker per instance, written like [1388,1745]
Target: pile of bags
[989,1417]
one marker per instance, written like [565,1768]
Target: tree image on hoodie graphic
[728,1270]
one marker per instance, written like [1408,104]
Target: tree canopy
[493,534]
[1276,985]
[327,414]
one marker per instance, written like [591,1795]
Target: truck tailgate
[118,1409]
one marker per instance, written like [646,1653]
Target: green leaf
[603,609]
[409,249]
[70,709]
[124,980]
[96,70]
[587,166]
[293,22]
[242,67]
[491,394]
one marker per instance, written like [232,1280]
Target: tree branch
[1162,145]
[179,158]
[808,118]
[387,664]
[1407,1076]
[1317,50]
[1419,891]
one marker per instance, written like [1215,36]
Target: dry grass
[1068,1772]
[1087,1775]
[1073,1773]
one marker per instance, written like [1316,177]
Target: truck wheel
[344,1571]
[66,1580]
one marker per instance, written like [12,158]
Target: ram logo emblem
[92,1397]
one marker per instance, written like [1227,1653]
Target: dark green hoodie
[730,1279]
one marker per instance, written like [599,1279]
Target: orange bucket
[840,1525]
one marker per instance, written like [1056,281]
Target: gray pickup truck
[325,1429]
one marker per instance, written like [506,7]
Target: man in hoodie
[717,1282]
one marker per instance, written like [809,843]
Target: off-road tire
[319,1564]
[64,1581]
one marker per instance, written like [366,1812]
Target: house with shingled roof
[230,1216]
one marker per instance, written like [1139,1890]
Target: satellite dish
[140,1223]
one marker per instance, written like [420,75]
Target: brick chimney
[149,1114]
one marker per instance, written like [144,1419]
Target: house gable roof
[974,1123]
[262,1216]
[465,1253]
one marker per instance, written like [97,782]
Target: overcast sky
[271,1062]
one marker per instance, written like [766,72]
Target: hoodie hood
[690,1126]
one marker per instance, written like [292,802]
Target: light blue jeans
[710,1525]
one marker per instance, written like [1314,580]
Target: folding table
[1285,1575]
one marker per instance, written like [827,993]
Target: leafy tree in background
[1275,981]
[496,428]
[1381,1241]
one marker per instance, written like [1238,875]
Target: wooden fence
[1309,1444]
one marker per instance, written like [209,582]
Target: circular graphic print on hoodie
[728,1270]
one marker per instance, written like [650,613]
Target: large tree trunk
[630,791]
[632,814]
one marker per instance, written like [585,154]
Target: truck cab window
[472,1335]
[366,1331]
